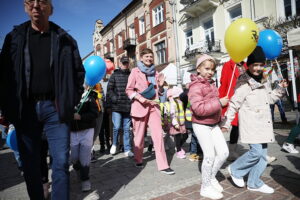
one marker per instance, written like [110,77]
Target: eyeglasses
[40,2]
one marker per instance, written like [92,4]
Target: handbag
[149,92]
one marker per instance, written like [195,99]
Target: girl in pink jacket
[206,108]
[143,88]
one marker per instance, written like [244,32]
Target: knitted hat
[174,92]
[203,58]
[257,56]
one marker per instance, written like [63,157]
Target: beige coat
[252,102]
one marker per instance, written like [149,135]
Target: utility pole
[173,4]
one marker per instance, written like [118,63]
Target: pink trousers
[153,120]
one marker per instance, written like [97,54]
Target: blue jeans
[281,110]
[253,162]
[38,117]
[117,119]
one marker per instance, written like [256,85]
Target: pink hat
[203,58]
[174,92]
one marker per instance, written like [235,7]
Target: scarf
[256,78]
[149,71]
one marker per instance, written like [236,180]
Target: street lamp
[173,4]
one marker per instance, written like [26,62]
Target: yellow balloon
[241,39]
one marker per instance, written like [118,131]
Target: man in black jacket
[120,106]
[41,81]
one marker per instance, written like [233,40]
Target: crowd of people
[44,97]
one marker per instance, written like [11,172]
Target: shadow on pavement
[286,178]
[10,175]
[107,176]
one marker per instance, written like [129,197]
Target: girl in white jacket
[252,99]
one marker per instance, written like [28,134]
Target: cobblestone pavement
[116,177]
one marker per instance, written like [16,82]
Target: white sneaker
[237,181]
[271,159]
[86,186]
[128,154]
[211,192]
[290,148]
[113,149]
[215,183]
[264,189]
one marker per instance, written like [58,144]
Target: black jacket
[119,101]
[66,66]
[88,111]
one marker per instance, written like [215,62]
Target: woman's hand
[151,102]
[283,83]
[161,79]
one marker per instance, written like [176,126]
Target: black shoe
[139,165]
[168,171]
[150,147]
[102,149]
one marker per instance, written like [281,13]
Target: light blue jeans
[253,162]
[119,118]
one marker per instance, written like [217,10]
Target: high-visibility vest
[188,112]
[179,112]
[165,113]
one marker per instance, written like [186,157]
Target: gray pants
[81,145]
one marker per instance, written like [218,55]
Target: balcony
[202,47]
[109,55]
[129,43]
[194,8]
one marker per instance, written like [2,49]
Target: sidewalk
[116,177]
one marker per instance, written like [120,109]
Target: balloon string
[231,80]
[279,69]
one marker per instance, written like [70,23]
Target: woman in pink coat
[143,88]
[206,108]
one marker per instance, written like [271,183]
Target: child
[82,132]
[252,99]
[206,108]
[177,117]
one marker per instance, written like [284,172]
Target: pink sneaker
[183,151]
[180,154]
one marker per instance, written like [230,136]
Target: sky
[78,17]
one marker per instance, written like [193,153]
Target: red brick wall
[136,26]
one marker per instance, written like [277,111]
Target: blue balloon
[95,70]
[271,43]
[11,140]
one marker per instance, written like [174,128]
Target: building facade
[141,24]
[202,24]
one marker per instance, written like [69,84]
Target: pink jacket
[204,99]
[137,83]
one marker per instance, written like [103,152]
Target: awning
[293,37]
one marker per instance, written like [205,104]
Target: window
[189,38]
[235,13]
[142,25]
[131,31]
[160,50]
[158,15]
[111,46]
[105,49]
[209,31]
[291,8]
[120,41]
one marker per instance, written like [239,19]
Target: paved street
[117,177]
